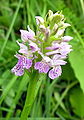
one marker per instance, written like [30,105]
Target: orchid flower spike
[46,49]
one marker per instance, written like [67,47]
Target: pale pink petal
[52,52]
[60,32]
[55,72]
[67,38]
[54,46]
[39,20]
[31,31]
[23,48]
[65,48]
[45,58]
[27,35]
[33,46]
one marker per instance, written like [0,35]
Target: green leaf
[17,118]
[77,101]
[7,89]
[57,98]
[76,59]
[21,87]
[66,115]
[67,72]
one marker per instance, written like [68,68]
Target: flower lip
[55,72]
[42,67]
[23,63]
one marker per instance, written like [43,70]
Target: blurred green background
[62,98]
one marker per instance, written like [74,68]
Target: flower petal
[22,63]
[31,31]
[42,67]
[39,20]
[55,72]
[23,48]
[60,32]
[33,46]
[25,35]
[67,38]
[27,63]
[18,70]
[52,52]
[65,48]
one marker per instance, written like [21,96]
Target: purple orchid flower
[27,35]
[62,48]
[23,63]
[57,60]
[55,72]
[42,67]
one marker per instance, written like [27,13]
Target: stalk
[32,91]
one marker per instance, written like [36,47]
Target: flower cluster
[45,50]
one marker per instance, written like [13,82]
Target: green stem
[32,91]
[48,96]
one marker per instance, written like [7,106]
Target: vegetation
[62,98]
